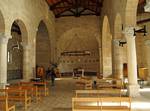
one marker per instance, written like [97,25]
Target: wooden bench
[4,105]
[84,83]
[42,87]
[109,83]
[98,93]
[32,91]
[18,95]
[101,104]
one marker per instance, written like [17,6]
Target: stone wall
[28,14]
[78,33]
[143,44]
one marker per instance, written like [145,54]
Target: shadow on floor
[62,109]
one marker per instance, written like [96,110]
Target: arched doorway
[106,48]
[43,46]
[15,52]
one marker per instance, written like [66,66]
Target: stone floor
[63,91]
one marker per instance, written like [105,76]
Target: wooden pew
[32,91]
[84,83]
[42,87]
[109,83]
[18,95]
[98,93]
[101,104]
[4,105]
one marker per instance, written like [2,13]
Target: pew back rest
[99,93]
[106,103]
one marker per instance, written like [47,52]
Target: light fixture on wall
[16,46]
[142,30]
[122,42]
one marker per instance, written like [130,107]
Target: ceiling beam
[59,14]
[58,3]
[143,21]
[74,7]
[77,8]
[81,14]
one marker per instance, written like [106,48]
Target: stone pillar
[133,87]
[27,68]
[3,60]
[117,60]
[100,61]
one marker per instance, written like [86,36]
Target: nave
[61,95]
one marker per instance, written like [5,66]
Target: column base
[3,85]
[133,90]
[148,80]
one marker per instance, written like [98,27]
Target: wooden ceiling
[81,7]
[75,7]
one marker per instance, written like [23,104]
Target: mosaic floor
[61,94]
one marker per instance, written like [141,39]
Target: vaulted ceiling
[75,7]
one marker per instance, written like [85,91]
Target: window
[9,57]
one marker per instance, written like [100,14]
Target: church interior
[74,55]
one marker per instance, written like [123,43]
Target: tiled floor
[63,91]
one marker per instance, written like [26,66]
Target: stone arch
[43,51]
[106,48]
[131,12]
[2,23]
[23,29]
[16,46]
[118,27]
[51,34]
[79,39]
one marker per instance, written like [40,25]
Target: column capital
[129,32]
[4,38]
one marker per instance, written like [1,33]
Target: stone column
[3,60]
[100,61]
[27,68]
[117,60]
[133,87]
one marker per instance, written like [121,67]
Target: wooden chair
[41,87]
[4,105]
[18,95]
